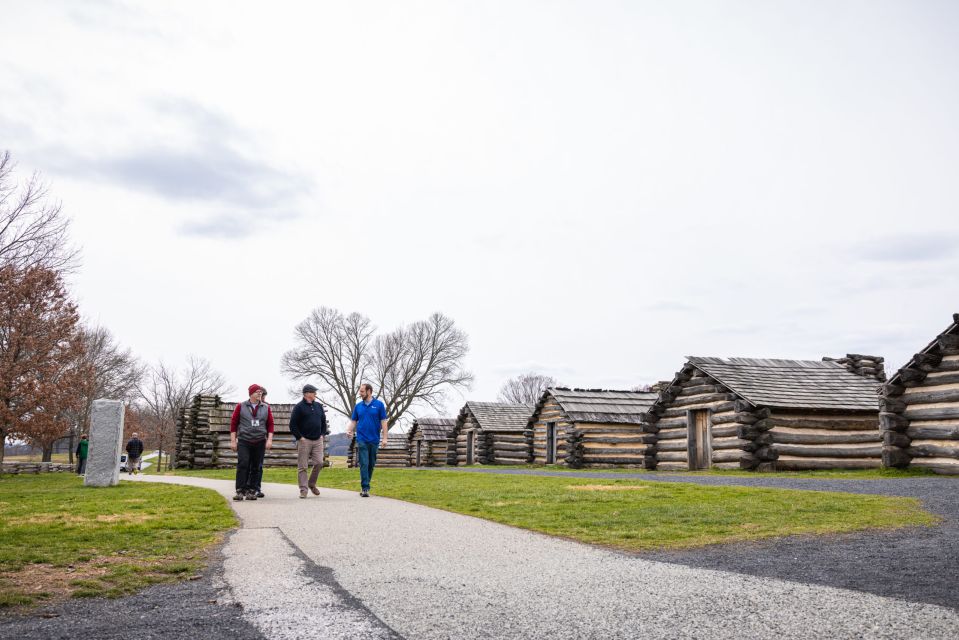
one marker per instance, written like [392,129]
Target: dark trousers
[81,465]
[249,464]
[366,452]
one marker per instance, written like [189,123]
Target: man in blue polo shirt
[368,422]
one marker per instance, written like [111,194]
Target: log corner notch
[866,366]
[919,418]
[575,453]
[754,426]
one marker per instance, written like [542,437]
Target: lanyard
[254,408]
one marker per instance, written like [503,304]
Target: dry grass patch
[607,487]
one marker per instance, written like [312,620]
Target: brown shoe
[315,491]
[303,494]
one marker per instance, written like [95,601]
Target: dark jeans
[81,465]
[249,464]
[366,453]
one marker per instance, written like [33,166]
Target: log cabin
[490,433]
[590,427]
[768,415]
[203,436]
[396,452]
[428,439]
[919,416]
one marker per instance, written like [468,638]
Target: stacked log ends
[530,456]
[575,453]
[754,426]
[866,366]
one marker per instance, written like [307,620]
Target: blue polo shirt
[367,418]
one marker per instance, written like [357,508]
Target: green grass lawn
[60,539]
[627,514]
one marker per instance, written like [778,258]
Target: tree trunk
[47,454]
[72,444]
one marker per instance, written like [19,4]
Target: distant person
[134,451]
[308,426]
[368,422]
[83,448]
[251,434]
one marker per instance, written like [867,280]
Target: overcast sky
[590,189]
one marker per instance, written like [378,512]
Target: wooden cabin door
[551,443]
[470,443]
[419,453]
[700,446]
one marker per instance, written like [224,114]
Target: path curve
[419,572]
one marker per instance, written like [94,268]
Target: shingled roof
[793,384]
[496,416]
[432,428]
[599,405]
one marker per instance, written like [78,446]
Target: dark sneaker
[315,491]
[259,494]
[364,494]
[238,496]
[303,494]
[250,495]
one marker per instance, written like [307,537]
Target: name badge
[256,423]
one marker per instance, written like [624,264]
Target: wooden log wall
[919,417]
[203,436]
[433,452]
[550,412]
[733,444]
[459,440]
[606,445]
[503,446]
[391,456]
[804,440]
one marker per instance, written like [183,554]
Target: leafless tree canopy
[527,388]
[33,230]
[163,391]
[117,373]
[412,365]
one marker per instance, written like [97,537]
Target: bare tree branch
[408,366]
[527,388]
[33,230]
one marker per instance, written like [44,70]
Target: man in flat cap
[308,426]
[251,434]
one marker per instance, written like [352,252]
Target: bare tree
[527,388]
[418,364]
[164,390]
[335,348]
[116,374]
[33,230]
[412,365]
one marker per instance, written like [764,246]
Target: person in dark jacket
[134,451]
[251,434]
[308,426]
[83,447]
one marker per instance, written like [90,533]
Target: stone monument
[106,442]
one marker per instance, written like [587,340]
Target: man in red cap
[251,434]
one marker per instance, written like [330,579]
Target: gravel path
[912,564]
[411,571]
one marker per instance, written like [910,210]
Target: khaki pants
[308,452]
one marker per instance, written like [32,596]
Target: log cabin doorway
[470,443]
[419,453]
[551,443]
[700,441]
